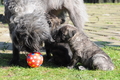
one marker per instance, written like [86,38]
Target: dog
[65,35]
[84,51]
[27,29]
[18,10]
[61,53]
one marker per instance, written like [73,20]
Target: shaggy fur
[27,29]
[61,53]
[28,25]
[84,51]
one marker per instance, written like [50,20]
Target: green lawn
[49,71]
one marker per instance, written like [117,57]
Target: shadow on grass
[105,43]
[5,46]
[5,59]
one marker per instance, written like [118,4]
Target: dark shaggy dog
[84,51]
[28,25]
[27,29]
[28,33]
[61,53]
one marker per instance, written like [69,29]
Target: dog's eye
[49,22]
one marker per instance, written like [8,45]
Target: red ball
[35,59]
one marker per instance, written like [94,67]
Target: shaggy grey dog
[28,25]
[29,33]
[84,50]
[27,29]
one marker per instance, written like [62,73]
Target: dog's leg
[73,62]
[48,49]
[77,13]
[102,62]
[15,56]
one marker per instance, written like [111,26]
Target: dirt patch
[106,26]
[103,26]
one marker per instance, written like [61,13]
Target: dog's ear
[71,33]
[62,21]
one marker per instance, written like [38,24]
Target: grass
[113,38]
[103,3]
[49,71]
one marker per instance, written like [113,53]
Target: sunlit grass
[49,71]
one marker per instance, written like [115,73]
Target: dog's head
[30,31]
[65,32]
[54,23]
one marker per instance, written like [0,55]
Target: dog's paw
[81,68]
[70,67]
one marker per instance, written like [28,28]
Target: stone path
[103,27]
[104,24]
